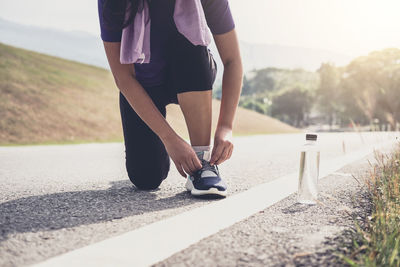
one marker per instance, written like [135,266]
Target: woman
[178,72]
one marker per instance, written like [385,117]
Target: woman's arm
[124,76]
[178,149]
[228,48]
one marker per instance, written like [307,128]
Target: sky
[351,27]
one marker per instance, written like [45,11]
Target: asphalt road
[288,233]
[57,198]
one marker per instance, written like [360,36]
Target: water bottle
[309,170]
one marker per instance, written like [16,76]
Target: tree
[373,83]
[262,82]
[389,84]
[246,88]
[292,106]
[328,91]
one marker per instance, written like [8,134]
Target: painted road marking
[343,174]
[157,241]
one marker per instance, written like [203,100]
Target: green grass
[377,243]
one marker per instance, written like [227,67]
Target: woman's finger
[230,152]
[226,152]
[223,155]
[186,168]
[213,152]
[216,153]
[196,163]
[191,166]
[180,170]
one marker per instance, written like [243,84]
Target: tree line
[366,91]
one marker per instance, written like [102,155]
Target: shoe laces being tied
[207,169]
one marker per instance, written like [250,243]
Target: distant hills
[258,56]
[47,99]
[88,48]
[79,46]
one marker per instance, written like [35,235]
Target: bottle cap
[311,137]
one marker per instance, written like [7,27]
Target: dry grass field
[46,100]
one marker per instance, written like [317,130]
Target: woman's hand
[223,146]
[183,155]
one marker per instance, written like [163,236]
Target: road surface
[59,198]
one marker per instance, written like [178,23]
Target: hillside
[45,99]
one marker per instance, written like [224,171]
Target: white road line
[343,174]
[158,241]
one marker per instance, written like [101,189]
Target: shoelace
[207,166]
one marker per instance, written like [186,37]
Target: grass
[50,100]
[376,242]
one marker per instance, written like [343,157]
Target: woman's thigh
[190,68]
[147,161]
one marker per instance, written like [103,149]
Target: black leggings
[147,161]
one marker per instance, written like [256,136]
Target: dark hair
[114,12]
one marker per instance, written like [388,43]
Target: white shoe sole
[195,192]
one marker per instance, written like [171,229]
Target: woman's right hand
[183,155]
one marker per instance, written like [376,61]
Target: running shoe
[206,181]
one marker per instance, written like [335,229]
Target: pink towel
[189,19]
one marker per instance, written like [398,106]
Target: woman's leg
[147,161]
[196,107]
[192,72]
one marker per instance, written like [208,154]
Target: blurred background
[320,65]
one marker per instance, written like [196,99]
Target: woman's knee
[145,183]
[148,177]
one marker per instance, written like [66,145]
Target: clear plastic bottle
[309,171]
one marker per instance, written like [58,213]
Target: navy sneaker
[206,181]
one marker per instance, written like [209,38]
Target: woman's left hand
[223,146]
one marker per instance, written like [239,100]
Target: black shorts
[190,67]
